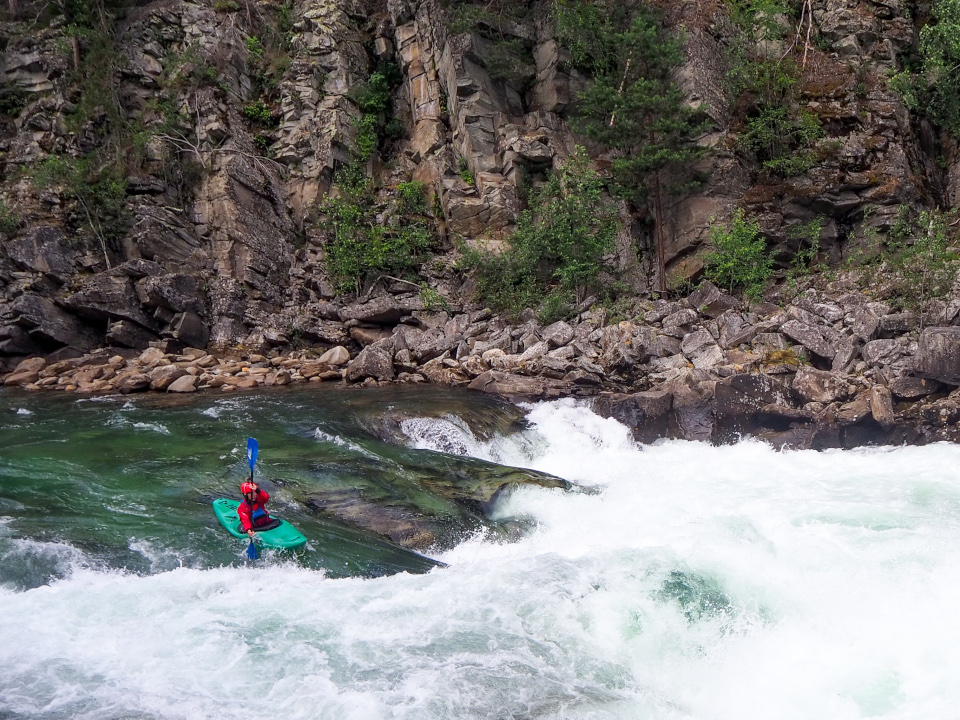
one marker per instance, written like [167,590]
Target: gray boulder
[938,355]
[820,386]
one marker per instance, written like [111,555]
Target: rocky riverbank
[830,369]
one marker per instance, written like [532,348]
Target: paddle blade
[252,450]
[252,551]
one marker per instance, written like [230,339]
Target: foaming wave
[450,434]
[322,436]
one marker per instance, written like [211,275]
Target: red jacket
[250,520]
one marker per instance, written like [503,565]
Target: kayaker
[251,511]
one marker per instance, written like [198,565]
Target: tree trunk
[658,218]
[13,9]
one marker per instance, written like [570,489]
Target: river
[676,580]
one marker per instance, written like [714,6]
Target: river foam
[691,582]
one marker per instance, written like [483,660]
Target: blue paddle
[252,450]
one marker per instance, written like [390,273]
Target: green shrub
[259,113]
[632,103]
[254,47]
[932,83]
[361,244]
[226,6]
[782,139]
[923,259]
[373,100]
[464,172]
[557,252]
[739,259]
[411,198]
[9,220]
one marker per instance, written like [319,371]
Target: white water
[692,582]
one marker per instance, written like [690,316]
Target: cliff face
[224,124]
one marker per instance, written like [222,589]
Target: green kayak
[285,537]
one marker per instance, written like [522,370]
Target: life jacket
[253,515]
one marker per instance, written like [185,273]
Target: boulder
[135,382]
[881,406]
[162,377]
[709,301]
[740,398]
[21,377]
[913,388]
[820,386]
[335,356]
[558,334]
[647,414]
[188,328]
[129,334]
[810,337]
[368,336]
[509,386]
[882,352]
[51,326]
[174,291]
[385,310]
[374,361]
[938,355]
[183,384]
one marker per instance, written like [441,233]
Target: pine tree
[632,104]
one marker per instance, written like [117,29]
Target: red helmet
[248,487]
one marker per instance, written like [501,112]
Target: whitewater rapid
[679,581]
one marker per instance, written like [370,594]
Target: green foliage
[259,113]
[464,172]
[764,84]
[739,259]
[808,238]
[373,99]
[361,244]
[9,220]
[226,6]
[431,299]
[411,198]
[932,85]
[754,71]
[632,104]
[12,100]
[557,251]
[782,139]
[99,191]
[262,143]
[923,259]
[254,47]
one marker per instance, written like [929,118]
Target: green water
[127,482]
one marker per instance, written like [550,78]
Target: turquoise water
[127,482]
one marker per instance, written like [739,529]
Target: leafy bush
[259,113]
[782,139]
[464,172]
[923,260]
[411,198]
[254,47]
[932,84]
[9,220]
[632,103]
[373,99]
[557,252]
[363,245]
[739,259]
